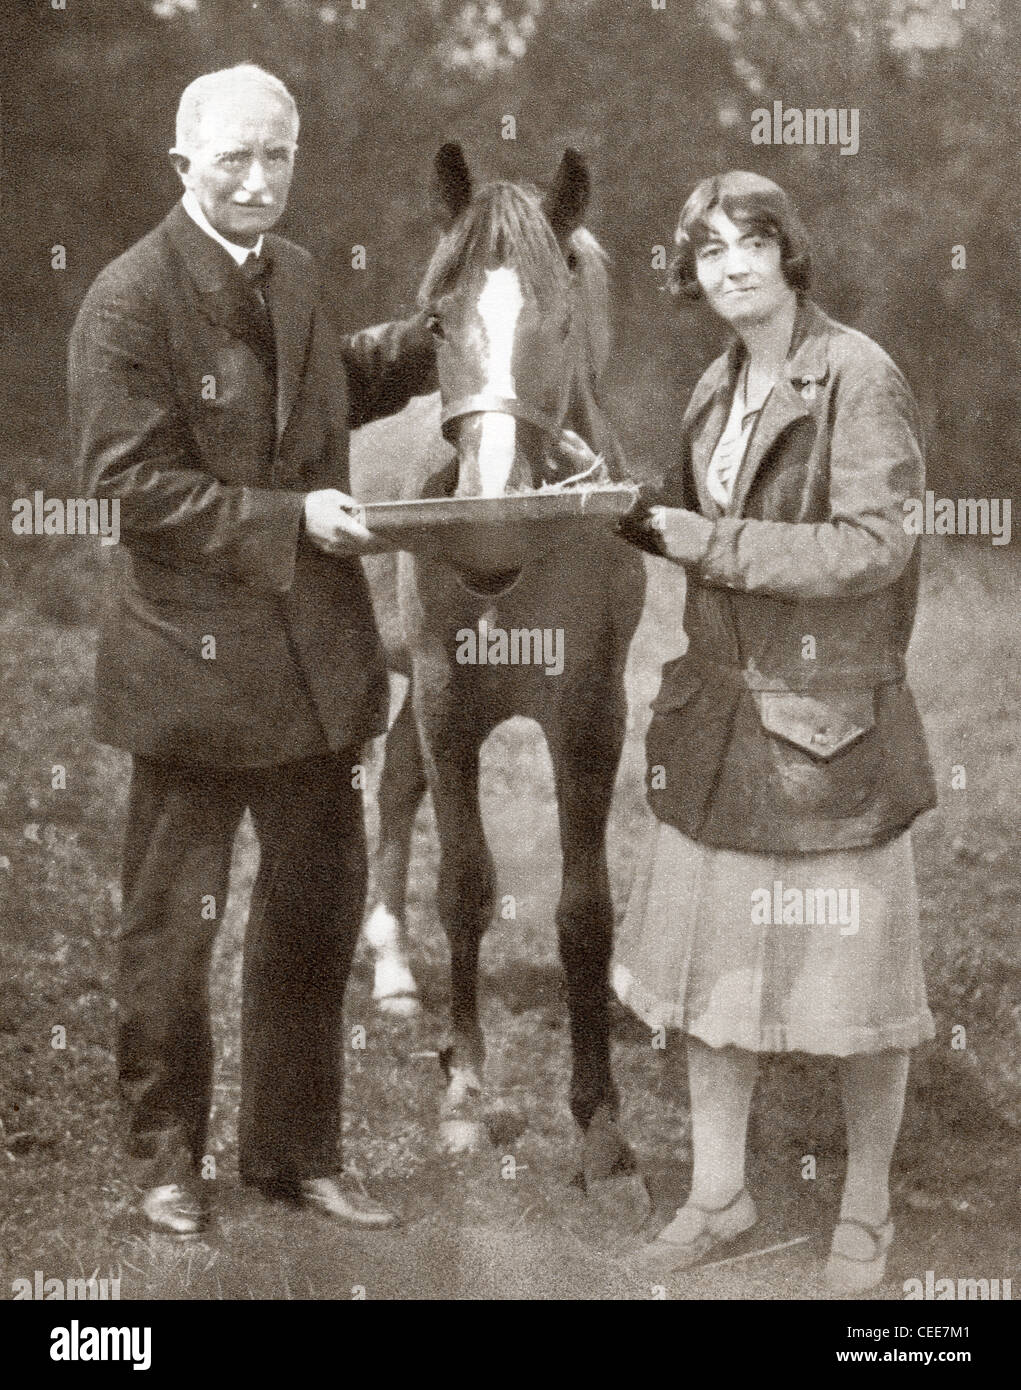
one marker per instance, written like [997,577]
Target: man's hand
[331,523]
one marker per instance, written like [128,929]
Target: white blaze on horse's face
[499,306]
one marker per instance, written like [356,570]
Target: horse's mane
[505,225]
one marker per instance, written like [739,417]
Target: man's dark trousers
[303,925]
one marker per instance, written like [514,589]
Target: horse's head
[516,298]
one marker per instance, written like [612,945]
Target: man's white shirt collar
[238,254]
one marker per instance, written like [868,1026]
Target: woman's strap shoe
[858,1255]
[694,1232]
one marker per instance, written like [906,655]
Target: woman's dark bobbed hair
[753,202]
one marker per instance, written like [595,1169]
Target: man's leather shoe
[176,1209]
[343,1197]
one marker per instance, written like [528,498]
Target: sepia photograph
[510,660]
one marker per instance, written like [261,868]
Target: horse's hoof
[399,1005]
[504,1124]
[623,1200]
[462,1136]
[605,1151]
[610,1176]
[461,1122]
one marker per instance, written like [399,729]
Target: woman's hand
[636,525]
[671,532]
[685,535]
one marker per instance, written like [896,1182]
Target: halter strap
[501,405]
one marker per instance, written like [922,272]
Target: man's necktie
[255,271]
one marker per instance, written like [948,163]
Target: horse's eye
[434,325]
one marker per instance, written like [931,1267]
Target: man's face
[240,162]
[739,271]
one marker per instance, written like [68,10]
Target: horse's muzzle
[488,585]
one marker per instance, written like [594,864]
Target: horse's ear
[567,200]
[453,182]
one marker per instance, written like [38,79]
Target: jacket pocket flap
[821,725]
[680,681]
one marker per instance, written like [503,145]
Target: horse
[516,295]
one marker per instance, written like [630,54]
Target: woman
[776,908]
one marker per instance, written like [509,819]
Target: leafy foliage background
[656,98]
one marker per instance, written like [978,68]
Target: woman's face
[739,272]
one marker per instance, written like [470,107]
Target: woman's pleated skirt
[775,953]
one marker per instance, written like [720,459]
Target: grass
[469,1231]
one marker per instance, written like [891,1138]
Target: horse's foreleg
[585,748]
[401,788]
[465,895]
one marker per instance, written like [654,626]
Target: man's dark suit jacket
[173,412]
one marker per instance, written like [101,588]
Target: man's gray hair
[196,95]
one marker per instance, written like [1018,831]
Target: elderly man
[240,663]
